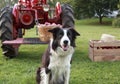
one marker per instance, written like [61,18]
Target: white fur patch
[44,76]
[65,37]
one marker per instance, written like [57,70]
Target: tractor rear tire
[67,16]
[6,30]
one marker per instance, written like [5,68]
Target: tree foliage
[4,3]
[87,8]
[116,21]
[82,9]
[67,1]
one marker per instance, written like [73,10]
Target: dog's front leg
[44,76]
[67,76]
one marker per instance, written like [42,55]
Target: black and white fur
[57,62]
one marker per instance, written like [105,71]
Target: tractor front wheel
[6,31]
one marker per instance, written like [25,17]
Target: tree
[103,7]
[88,8]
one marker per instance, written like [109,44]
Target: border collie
[56,63]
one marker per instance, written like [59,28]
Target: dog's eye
[68,34]
[61,33]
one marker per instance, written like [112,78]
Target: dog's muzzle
[65,45]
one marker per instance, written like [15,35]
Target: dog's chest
[59,65]
[59,62]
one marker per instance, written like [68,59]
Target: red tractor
[25,15]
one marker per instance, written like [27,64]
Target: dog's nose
[65,42]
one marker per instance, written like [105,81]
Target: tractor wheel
[67,16]
[6,30]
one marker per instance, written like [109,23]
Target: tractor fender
[15,14]
[58,9]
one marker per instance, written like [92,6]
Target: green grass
[22,69]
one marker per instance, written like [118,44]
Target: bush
[116,22]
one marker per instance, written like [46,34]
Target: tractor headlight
[46,8]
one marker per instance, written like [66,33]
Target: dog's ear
[54,30]
[74,32]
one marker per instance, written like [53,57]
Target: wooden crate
[104,51]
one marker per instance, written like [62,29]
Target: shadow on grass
[29,55]
[32,57]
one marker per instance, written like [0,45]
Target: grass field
[22,69]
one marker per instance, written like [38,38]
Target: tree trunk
[100,19]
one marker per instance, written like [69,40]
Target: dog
[56,62]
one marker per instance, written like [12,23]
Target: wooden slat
[97,43]
[91,53]
[106,58]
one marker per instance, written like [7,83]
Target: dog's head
[63,37]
